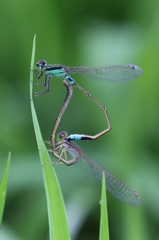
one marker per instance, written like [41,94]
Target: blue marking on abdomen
[71,81]
[74,137]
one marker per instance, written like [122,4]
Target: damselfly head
[42,64]
[61,136]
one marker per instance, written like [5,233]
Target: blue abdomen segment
[71,81]
[78,137]
[74,137]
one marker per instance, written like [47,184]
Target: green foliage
[3,188]
[104,231]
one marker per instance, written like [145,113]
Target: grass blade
[3,188]
[58,226]
[104,230]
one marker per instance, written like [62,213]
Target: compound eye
[41,63]
[37,64]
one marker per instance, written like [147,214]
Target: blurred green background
[92,33]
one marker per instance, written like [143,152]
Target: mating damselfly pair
[64,144]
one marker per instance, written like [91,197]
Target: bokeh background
[92,33]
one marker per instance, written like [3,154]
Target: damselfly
[117,188]
[110,73]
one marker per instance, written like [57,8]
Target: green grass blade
[104,230]
[58,226]
[3,188]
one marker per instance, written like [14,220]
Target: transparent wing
[108,73]
[117,188]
